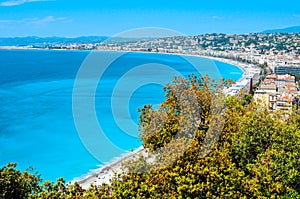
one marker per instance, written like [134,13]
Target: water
[36,122]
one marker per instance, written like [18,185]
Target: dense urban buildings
[280,52]
[271,50]
[261,53]
[277,92]
[295,70]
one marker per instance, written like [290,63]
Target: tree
[17,184]
[256,155]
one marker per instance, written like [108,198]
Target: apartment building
[277,92]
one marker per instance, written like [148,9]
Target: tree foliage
[256,155]
[17,184]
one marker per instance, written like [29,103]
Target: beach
[106,173]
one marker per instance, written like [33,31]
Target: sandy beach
[105,173]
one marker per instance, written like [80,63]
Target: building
[294,70]
[282,80]
[264,95]
[284,102]
[272,101]
[277,92]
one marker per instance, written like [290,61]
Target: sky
[72,18]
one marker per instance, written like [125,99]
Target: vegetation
[17,184]
[297,78]
[255,155]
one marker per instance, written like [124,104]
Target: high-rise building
[280,70]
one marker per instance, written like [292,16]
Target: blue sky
[96,17]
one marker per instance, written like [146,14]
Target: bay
[37,127]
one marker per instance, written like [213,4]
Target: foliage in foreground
[257,155]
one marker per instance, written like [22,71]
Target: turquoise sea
[37,127]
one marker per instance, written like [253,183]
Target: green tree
[16,184]
[257,155]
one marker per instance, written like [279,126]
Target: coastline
[240,65]
[106,172]
[225,60]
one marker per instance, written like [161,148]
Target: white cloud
[16,21]
[215,17]
[295,15]
[35,21]
[45,20]
[18,2]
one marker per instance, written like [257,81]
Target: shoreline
[106,172]
[224,60]
[248,69]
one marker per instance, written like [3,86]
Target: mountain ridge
[37,41]
[292,29]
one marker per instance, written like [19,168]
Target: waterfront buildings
[277,92]
[287,69]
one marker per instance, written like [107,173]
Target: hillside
[294,29]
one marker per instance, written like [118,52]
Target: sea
[53,104]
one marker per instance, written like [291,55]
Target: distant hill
[42,41]
[294,29]
[45,41]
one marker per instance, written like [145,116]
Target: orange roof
[272,76]
[283,98]
[291,84]
[294,91]
[286,79]
[269,81]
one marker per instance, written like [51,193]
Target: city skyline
[67,18]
